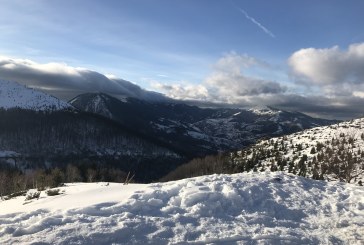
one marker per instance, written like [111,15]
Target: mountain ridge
[15,95]
[208,130]
[183,130]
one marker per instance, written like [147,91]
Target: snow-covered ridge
[330,152]
[15,95]
[97,103]
[249,208]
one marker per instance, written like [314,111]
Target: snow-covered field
[250,208]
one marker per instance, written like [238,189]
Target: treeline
[14,181]
[218,164]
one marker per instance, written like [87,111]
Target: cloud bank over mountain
[321,82]
[66,82]
[228,83]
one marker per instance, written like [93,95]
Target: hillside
[267,208]
[332,152]
[36,139]
[39,131]
[15,95]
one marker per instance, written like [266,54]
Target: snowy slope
[331,152]
[96,104]
[250,208]
[14,95]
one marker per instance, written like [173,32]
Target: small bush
[32,195]
[53,192]
[16,194]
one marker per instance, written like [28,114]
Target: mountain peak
[15,95]
[96,103]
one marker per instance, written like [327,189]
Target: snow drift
[249,208]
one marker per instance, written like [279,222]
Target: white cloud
[227,83]
[50,68]
[330,66]
[235,63]
[183,91]
[359,94]
[230,84]
[66,81]
[337,76]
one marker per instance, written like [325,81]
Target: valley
[181,122]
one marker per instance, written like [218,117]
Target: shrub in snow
[32,195]
[53,192]
[16,194]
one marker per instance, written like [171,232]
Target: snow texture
[15,95]
[249,208]
[264,110]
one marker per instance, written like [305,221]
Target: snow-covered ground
[15,95]
[249,208]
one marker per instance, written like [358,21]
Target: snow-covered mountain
[40,131]
[15,95]
[96,104]
[193,130]
[334,152]
[248,208]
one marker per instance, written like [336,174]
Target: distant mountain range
[195,131]
[147,137]
[41,131]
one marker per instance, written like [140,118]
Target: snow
[198,135]
[4,154]
[264,110]
[246,208]
[308,139]
[15,95]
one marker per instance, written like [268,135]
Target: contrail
[257,23]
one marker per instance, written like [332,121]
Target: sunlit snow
[250,208]
[15,95]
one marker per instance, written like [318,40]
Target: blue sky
[172,46]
